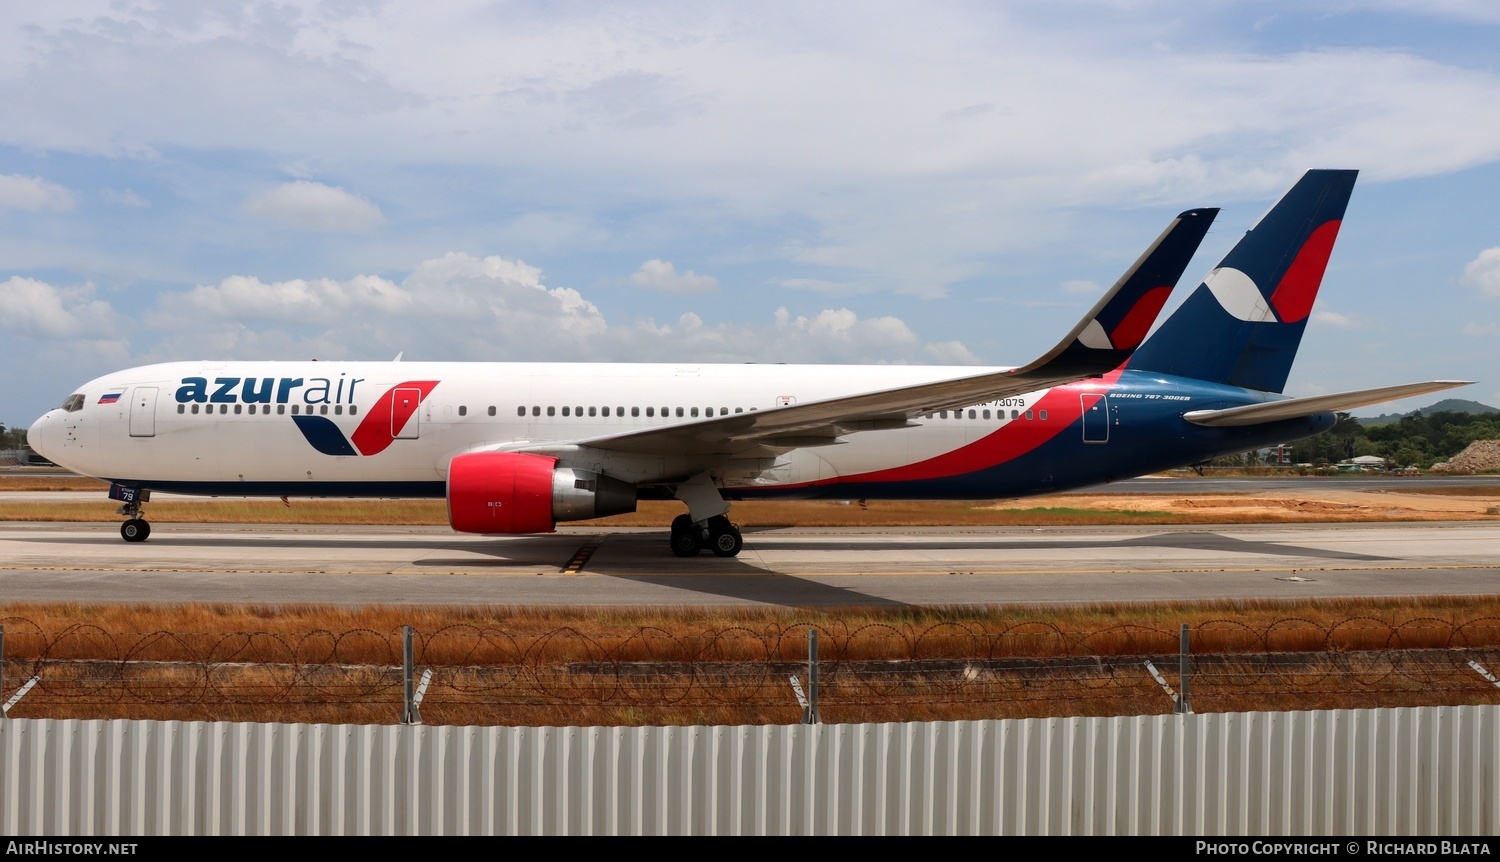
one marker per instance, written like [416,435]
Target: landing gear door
[143,412]
[1095,417]
[406,419]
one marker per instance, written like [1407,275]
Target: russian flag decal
[110,398]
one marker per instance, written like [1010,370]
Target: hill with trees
[1417,439]
[1447,405]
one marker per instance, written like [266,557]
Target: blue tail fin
[1243,324]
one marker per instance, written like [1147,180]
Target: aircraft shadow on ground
[543,550]
[1194,541]
[642,558]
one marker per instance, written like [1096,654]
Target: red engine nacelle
[508,492]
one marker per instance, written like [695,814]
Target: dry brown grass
[558,666]
[51,483]
[1060,510]
[237,511]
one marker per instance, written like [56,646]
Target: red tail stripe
[1131,331]
[1293,297]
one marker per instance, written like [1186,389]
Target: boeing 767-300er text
[518,447]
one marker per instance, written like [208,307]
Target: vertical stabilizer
[1243,324]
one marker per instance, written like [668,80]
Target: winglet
[1118,323]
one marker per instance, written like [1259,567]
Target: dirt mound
[1481,456]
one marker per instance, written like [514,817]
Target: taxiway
[787,567]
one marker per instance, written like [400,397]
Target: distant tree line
[12,438]
[1416,440]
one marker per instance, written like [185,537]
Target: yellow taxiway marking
[585,551]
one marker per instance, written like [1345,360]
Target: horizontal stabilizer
[1293,408]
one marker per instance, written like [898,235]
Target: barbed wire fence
[467,674]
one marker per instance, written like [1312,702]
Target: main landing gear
[715,533]
[136,529]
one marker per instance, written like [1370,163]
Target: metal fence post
[410,714]
[1184,698]
[810,714]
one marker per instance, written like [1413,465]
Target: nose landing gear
[135,529]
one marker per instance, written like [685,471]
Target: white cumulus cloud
[33,194]
[1335,320]
[1483,272]
[126,198]
[1082,286]
[661,275]
[306,205]
[462,307]
[36,308]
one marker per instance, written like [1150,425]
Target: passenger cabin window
[650,412]
[679,412]
[520,411]
[635,411]
[593,411]
[463,410]
[552,411]
[537,411]
[1028,415]
[1042,415]
[181,407]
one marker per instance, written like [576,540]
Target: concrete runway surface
[783,567]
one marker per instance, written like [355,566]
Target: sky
[935,182]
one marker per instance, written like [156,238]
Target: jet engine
[509,492]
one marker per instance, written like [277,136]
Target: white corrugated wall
[1420,771]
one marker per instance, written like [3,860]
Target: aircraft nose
[36,436]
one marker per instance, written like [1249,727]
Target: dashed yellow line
[581,557]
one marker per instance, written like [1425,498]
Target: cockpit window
[73,404]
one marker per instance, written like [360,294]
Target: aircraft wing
[1292,408]
[1100,343]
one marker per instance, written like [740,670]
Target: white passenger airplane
[518,447]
